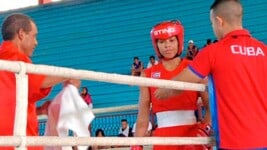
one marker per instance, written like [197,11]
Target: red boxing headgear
[165,30]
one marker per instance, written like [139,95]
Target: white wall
[6,5]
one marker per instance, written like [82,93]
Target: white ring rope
[115,109]
[20,140]
[85,141]
[100,76]
[105,110]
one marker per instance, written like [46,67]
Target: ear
[21,33]
[220,20]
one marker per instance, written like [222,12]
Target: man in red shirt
[237,66]
[19,34]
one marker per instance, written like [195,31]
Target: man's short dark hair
[218,2]
[13,23]
[136,57]
[152,57]
[230,10]
[123,120]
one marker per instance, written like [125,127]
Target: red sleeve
[202,63]
[35,91]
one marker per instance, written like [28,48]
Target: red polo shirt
[238,66]
[8,51]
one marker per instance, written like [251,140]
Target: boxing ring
[20,140]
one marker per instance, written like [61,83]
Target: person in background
[137,67]
[87,97]
[100,133]
[88,100]
[43,109]
[200,112]
[209,41]
[152,61]
[191,51]
[125,129]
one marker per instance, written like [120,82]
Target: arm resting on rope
[51,81]
[185,76]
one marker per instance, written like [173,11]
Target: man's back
[238,67]
[8,51]
[8,89]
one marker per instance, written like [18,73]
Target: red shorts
[177,131]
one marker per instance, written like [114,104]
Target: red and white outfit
[175,116]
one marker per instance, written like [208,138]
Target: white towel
[68,111]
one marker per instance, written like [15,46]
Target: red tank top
[187,100]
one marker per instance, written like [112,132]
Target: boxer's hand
[74,82]
[204,130]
